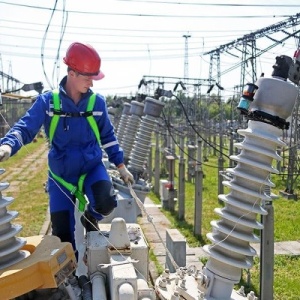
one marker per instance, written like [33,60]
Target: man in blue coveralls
[76,122]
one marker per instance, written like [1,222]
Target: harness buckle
[74,190]
[87,113]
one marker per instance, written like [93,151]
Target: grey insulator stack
[10,245]
[123,123]
[136,112]
[231,236]
[142,144]
[111,115]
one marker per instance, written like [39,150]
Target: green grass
[30,201]
[157,264]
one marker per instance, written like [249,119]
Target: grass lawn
[28,172]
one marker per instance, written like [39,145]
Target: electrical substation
[169,131]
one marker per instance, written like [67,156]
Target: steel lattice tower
[248,67]
[186,57]
[294,161]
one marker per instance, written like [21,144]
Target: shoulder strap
[55,118]
[90,118]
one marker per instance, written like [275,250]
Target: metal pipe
[86,288]
[70,291]
[98,286]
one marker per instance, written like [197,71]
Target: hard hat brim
[99,76]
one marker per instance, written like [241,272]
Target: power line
[108,42]
[131,50]
[212,4]
[104,34]
[119,29]
[152,15]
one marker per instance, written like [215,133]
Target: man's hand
[125,174]
[5,152]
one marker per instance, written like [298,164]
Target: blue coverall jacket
[74,151]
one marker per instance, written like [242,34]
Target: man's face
[81,82]
[84,82]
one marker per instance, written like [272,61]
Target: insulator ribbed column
[136,111]
[231,237]
[10,245]
[142,144]
[123,123]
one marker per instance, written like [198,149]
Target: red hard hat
[84,59]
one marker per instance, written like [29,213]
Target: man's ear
[72,73]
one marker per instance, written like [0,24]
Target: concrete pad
[152,237]
[280,249]
[148,205]
[292,247]
[158,249]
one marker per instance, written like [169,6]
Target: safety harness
[77,191]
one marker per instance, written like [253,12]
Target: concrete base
[288,195]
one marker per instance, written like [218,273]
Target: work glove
[5,152]
[125,174]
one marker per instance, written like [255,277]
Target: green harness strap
[90,118]
[77,191]
[55,118]
[74,190]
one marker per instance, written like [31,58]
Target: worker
[76,122]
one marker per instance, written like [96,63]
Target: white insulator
[131,130]
[231,237]
[136,112]
[166,274]
[175,296]
[144,291]
[118,236]
[182,285]
[126,292]
[163,282]
[275,97]
[142,144]
[10,245]
[123,123]
[251,296]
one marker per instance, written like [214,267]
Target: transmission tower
[186,56]
[248,67]
[294,159]
[1,70]
[247,46]
[215,72]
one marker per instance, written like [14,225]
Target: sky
[162,40]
